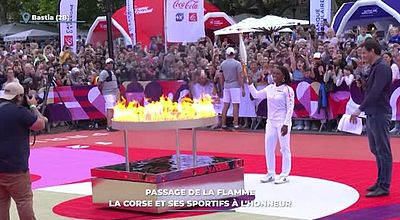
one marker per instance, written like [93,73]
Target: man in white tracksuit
[280,102]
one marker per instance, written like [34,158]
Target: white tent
[241,27]
[267,22]
[15,28]
[33,33]
[275,22]
[285,30]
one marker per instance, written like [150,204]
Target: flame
[164,110]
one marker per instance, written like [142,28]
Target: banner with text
[320,11]
[86,102]
[130,17]
[184,20]
[68,30]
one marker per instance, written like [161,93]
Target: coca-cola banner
[184,20]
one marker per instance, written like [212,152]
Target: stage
[329,174]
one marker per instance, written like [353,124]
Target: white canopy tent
[285,30]
[276,21]
[254,25]
[33,33]
[241,27]
[15,28]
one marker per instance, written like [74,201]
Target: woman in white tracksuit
[280,102]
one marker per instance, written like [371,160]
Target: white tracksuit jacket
[280,102]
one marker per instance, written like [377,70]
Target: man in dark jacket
[376,106]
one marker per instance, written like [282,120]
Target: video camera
[26,84]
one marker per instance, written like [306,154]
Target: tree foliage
[88,10]
[261,7]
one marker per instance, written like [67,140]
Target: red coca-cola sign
[185,4]
[193,17]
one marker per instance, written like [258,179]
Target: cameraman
[108,87]
[16,121]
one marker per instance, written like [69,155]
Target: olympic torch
[243,56]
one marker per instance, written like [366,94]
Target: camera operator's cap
[317,55]
[109,60]
[230,51]
[11,90]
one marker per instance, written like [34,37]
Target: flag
[184,20]
[319,12]
[68,30]
[130,17]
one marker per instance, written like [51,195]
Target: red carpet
[302,145]
[357,174]
[82,208]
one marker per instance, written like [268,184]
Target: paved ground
[304,145]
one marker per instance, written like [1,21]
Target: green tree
[46,7]
[3,17]
[260,7]
[340,2]
[88,10]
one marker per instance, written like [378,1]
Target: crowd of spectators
[309,56]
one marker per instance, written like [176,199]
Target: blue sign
[179,17]
[370,11]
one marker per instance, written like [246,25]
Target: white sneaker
[281,180]
[394,131]
[298,127]
[267,179]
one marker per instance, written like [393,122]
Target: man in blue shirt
[16,121]
[376,106]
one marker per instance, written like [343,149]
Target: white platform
[310,198]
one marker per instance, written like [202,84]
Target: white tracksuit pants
[272,135]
